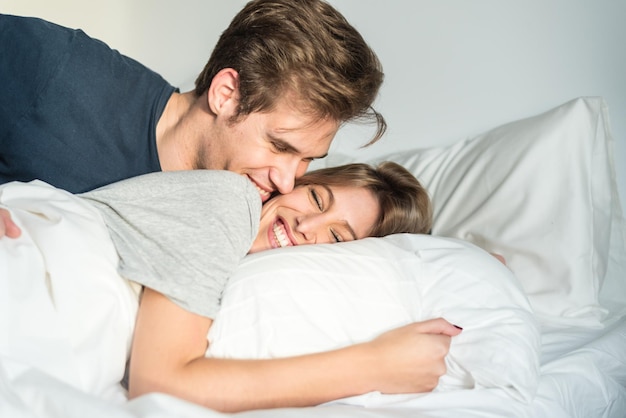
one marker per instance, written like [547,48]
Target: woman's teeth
[280,235]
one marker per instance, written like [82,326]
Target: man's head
[304,47]
[298,56]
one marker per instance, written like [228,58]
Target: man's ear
[223,92]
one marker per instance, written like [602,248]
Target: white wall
[174,38]
[454,68]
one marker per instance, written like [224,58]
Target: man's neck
[174,137]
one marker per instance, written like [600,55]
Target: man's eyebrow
[331,200]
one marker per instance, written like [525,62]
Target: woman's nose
[307,226]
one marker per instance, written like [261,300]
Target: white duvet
[65,310]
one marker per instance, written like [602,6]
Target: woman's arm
[7,226]
[170,343]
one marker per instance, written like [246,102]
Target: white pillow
[315,298]
[540,191]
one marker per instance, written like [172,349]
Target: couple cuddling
[187,184]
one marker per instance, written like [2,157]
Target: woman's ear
[223,94]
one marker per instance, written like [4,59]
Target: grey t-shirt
[181,233]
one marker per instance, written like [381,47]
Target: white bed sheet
[578,364]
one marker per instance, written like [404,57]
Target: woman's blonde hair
[302,49]
[404,203]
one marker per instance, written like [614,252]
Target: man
[281,80]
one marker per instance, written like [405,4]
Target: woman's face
[315,214]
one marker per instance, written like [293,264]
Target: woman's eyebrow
[329,195]
[350,230]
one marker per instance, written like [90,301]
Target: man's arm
[168,356]
[7,226]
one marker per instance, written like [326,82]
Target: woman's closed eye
[321,197]
[317,199]
[336,236]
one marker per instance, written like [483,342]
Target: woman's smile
[279,234]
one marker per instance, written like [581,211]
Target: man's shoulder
[24,28]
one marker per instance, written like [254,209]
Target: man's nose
[284,177]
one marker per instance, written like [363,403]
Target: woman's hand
[168,356]
[7,226]
[411,359]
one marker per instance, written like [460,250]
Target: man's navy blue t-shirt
[73,112]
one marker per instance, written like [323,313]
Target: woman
[181,234]
[387,199]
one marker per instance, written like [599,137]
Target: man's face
[271,149]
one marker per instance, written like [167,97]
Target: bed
[544,336]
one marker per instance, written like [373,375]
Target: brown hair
[404,203]
[302,48]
